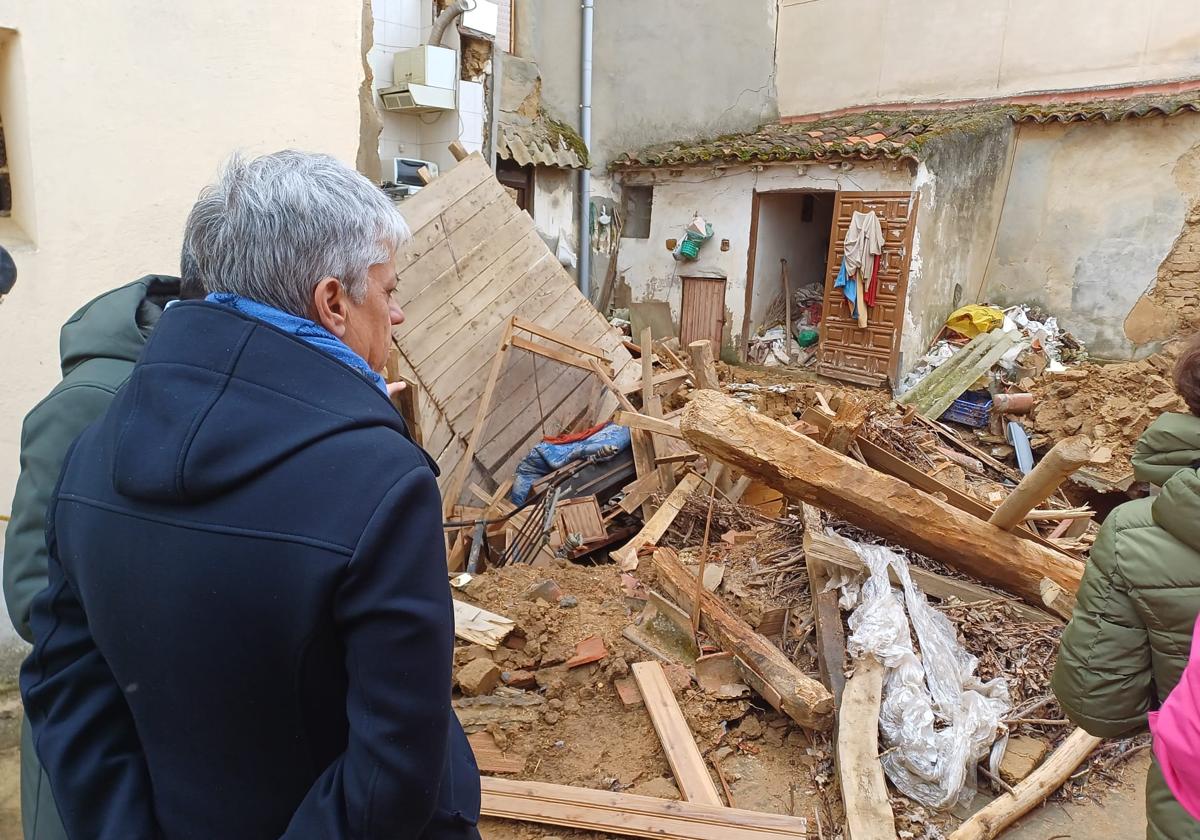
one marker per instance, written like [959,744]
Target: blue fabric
[247,631]
[308,331]
[545,458]
[849,287]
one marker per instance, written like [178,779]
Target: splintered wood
[801,468]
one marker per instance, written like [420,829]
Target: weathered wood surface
[826,614]
[626,557]
[678,743]
[797,695]
[628,815]
[803,469]
[864,789]
[474,261]
[704,367]
[1064,458]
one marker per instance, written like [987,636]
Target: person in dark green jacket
[98,346]
[1128,641]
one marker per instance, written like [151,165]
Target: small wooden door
[702,314]
[868,355]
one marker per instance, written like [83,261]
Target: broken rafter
[626,557]
[864,790]
[634,420]
[801,468]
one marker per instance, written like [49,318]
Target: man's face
[369,324]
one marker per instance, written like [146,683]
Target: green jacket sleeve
[47,434]
[1103,677]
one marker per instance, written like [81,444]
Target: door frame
[752,253]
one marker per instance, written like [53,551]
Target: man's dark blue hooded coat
[247,631]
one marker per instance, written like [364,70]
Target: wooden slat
[683,756]
[827,615]
[549,352]
[451,185]
[639,491]
[628,815]
[864,790]
[634,420]
[563,339]
[657,525]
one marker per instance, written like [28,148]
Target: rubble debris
[1021,757]
[628,692]
[489,756]
[479,676]
[480,626]
[547,591]
[589,650]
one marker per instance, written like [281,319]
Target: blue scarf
[307,331]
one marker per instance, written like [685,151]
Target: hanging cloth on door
[864,240]
[873,286]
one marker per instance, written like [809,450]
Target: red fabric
[577,436]
[873,286]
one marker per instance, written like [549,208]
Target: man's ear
[329,305]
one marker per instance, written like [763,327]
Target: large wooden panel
[848,351]
[474,261]
[702,313]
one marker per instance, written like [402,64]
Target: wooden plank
[563,339]
[677,457]
[683,756]
[634,420]
[626,557]
[549,353]
[664,383]
[490,758]
[864,790]
[1058,464]
[827,615]
[837,551]
[477,625]
[628,815]
[652,407]
[451,184]
[792,692]
[639,491]
[801,468]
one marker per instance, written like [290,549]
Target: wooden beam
[637,492]
[671,379]
[635,420]
[827,615]
[837,551]
[640,441]
[792,692]
[523,343]
[628,815]
[678,743]
[846,423]
[801,468]
[1000,813]
[458,150]
[1063,459]
[677,457]
[704,367]
[652,407]
[884,461]
[661,346]
[561,338]
[608,383]
[454,488]
[626,557]
[864,789]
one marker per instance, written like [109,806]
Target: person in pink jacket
[1176,730]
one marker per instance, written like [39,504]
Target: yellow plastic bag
[973,319]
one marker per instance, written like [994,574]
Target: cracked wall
[1092,212]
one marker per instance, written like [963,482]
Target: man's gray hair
[273,227]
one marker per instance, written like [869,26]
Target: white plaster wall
[877,51]
[402,25]
[116,116]
[554,202]
[1092,209]
[724,199]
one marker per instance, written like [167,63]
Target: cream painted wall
[724,200]
[1091,211]
[122,113]
[878,51]
[782,234]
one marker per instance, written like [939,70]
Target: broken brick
[519,679]
[590,650]
[628,691]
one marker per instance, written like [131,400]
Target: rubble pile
[1111,404]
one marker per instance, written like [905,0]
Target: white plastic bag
[937,719]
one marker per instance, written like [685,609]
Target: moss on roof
[894,135]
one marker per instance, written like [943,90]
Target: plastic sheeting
[937,718]
[546,457]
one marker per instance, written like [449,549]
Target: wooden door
[868,355]
[702,314]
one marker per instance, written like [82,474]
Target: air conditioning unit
[425,79]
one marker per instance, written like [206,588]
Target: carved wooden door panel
[868,355]
[702,312]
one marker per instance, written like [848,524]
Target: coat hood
[116,324]
[1167,455]
[218,397]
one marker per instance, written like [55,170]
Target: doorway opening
[789,246]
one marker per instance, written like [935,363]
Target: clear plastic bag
[937,718]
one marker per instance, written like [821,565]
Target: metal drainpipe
[585,132]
